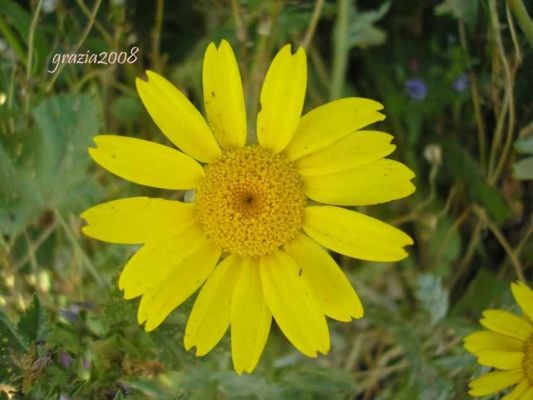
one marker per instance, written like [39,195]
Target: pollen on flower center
[250,201]
[527,363]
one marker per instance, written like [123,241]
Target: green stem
[29,66]
[523,19]
[312,25]
[83,37]
[90,266]
[156,35]
[12,40]
[340,50]
[503,242]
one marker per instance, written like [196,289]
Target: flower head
[251,239]
[460,84]
[507,346]
[416,89]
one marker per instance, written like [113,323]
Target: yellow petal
[157,259]
[210,315]
[524,297]
[507,323]
[330,286]
[223,97]
[182,282]
[330,122]
[500,359]
[282,99]
[355,234]
[528,393]
[250,318]
[290,299]
[378,182]
[146,163]
[136,219]
[177,118]
[487,340]
[493,382]
[354,150]
[518,391]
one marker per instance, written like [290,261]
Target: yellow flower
[250,234]
[507,345]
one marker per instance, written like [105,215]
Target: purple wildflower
[460,84]
[65,359]
[416,89]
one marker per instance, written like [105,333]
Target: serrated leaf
[318,383]
[362,32]
[46,167]
[33,324]
[523,169]
[11,342]
[432,296]
[66,125]
[247,386]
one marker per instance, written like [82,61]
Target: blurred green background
[456,80]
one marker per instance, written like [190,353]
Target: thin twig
[317,11]
[156,35]
[453,227]
[29,61]
[36,245]
[83,37]
[90,266]
[107,37]
[523,19]
[514,36]
[470,249]
[503,241]
[508,106]
[474,91]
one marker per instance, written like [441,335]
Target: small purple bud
[414,65]
[416,89]
[65,359]
[460,84]
[86,364]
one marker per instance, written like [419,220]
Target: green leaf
[33,325]
[11,342]
[524,145]
[362,33]
[20,19]
[66,125]
[46,167]
[247,386]
[523,169]
[318,383]
[466,11]
[464,168]
[483,291]
[432,296]
[443,236]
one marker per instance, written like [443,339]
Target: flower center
[250,201]
[527,363]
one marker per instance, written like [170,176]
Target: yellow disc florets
[528,359]
[250,201]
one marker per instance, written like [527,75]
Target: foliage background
[455,78]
